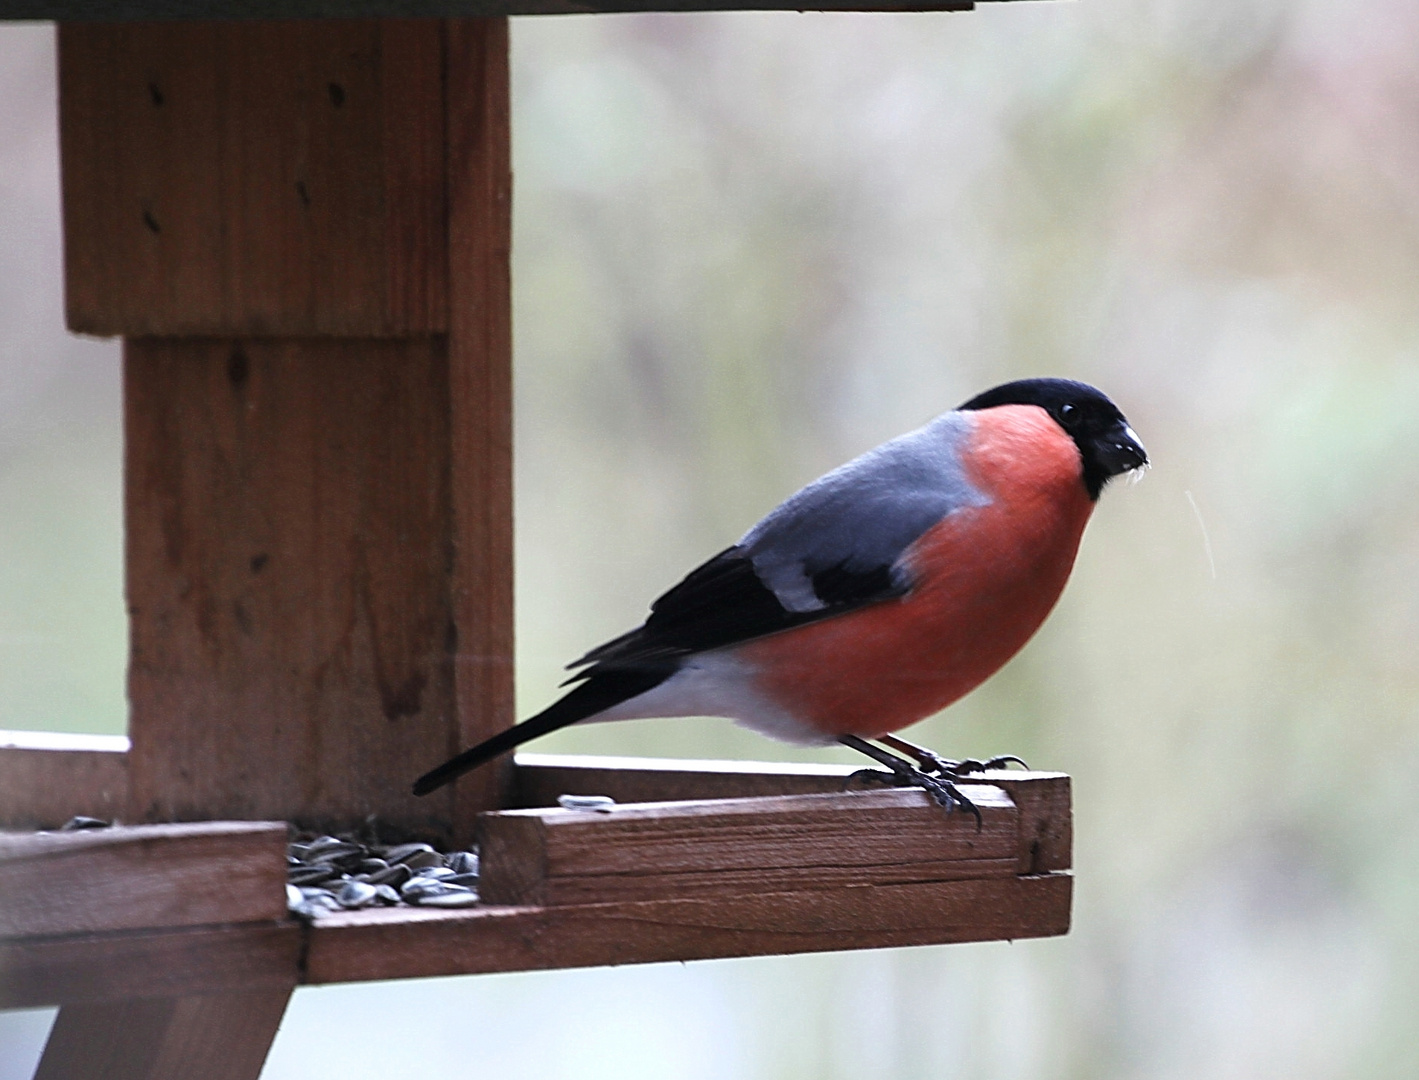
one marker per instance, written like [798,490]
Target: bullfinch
[874,597]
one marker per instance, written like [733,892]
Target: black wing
[724,602]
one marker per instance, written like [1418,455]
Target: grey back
[863,515]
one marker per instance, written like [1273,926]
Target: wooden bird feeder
[300,226]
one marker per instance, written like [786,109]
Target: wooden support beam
[289,520]
[161,962]
[303,229]
[213,1036]
[479,147]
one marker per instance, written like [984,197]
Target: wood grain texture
[1045,841]
[480,393]
[213,1036]
[1046,803]
[46,778]
[412,943]
[133,877]
[147,963]
[288,517]
[253,178]
[728,847]
[320,550]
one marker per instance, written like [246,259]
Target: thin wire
[1206,541]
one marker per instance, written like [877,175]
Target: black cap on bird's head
[1106,443]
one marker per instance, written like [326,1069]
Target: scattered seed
[357,894]
[311,875]
[420,860]
[451,898]
[395,875]
[74,824]
[400,852]
[461,862]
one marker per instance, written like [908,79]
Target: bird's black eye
[1070,415]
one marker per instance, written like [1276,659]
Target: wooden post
[214,1036]
[302,229]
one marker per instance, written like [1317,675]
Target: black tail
[600,691]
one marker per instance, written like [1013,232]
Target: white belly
[716,684]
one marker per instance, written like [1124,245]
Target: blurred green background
[749,247]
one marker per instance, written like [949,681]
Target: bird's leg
[930,761]
[905,774]
[927,760]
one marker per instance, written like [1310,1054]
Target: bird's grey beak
[1119,451]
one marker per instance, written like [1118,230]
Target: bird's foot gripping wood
[902,773]
[930,761]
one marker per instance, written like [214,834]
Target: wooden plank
[727,847]
[147,963]
[288,517]
[414,943]
[110,10]
[480,379]
[132,877]
[47,777]
[231,178]
[1043,798]
[213,1036]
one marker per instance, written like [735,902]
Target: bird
[874,597]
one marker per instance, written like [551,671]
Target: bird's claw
[967,766]
[942,790]
[870,776]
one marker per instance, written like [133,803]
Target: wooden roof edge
[154,10]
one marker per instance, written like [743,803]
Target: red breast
[986,577]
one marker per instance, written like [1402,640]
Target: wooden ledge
[731,847]
[46,777]
[141,876]
[762,859]
[400,943]
[147,10]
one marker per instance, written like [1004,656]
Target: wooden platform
[861,869]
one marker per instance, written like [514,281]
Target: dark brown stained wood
[253,178]
[289,551]
[147,963]
[412,943]
[480,393]
[213,1036]
[308,9]
[135,877]
[729,847]
[46,778]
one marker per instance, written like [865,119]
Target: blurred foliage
[751,246]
